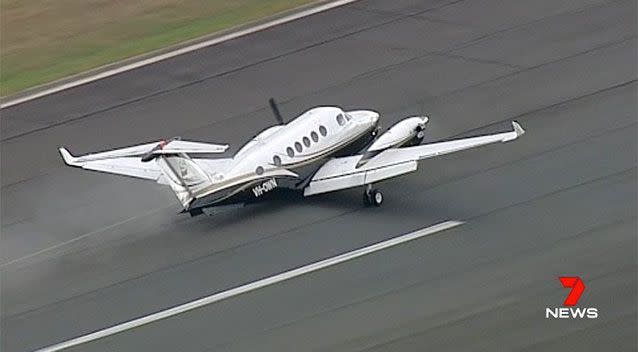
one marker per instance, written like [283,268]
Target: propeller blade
[275,111]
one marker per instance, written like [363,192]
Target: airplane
[324,149]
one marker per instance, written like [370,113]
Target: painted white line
[251,286]
[75,239]
[197,46]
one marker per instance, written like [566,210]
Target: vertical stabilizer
[184,176]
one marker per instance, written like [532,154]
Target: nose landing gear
[372,196]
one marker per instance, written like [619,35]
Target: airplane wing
[342,173]
[128,161]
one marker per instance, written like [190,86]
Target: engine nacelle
[409,131]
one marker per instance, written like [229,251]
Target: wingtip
[66,156]
[518,129]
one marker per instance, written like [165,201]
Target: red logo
[577,287]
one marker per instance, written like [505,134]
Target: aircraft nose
[367,117]
[374,117]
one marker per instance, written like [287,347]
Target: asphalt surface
[81,251]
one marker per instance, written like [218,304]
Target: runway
[83,251]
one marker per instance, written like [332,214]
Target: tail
[184,176]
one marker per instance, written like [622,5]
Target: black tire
[376,198]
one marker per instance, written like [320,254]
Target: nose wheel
[372,197]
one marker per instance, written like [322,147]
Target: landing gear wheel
[377,198]
[373,197]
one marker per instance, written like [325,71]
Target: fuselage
[284,156]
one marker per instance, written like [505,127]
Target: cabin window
[341,120]
[314,136]
[298,146]
[306,141]
[276,160]
[259,170]
[323,131]
[290,152]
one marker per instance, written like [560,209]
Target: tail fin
[184,176]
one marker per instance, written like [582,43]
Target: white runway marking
[197,46]
[76,239]
[251,286]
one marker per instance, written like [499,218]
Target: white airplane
[325,149]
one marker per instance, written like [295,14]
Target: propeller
[275,111]
[150,155]
[420,129]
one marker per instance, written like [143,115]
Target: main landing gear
[372,196]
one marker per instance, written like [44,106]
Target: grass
[45,40]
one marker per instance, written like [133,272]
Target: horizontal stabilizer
[163,148]
[177,146]
[125,166]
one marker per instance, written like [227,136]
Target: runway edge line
[271,280]
[151,60]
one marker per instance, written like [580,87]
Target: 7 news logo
[569,311]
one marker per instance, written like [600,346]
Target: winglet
[68,158]
[518,129]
